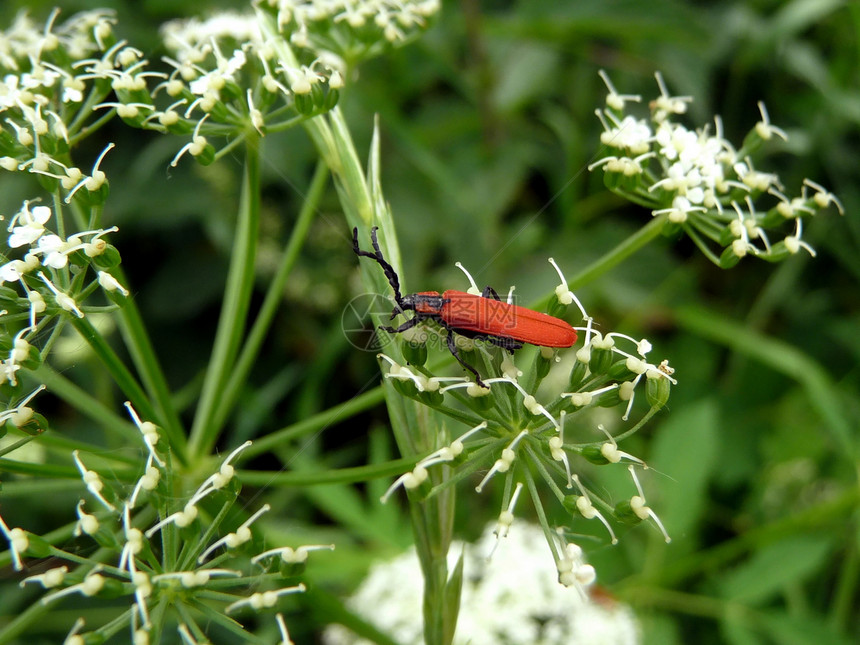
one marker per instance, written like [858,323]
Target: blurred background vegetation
[488,124]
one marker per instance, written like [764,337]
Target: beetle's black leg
[505,343]
[409,324]
[489,292]
[390,273]
[452,346]
[387,269]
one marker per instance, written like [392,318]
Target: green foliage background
[488,123]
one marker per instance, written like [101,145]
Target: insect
[483,317]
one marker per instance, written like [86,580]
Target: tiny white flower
[32,225]
[109,283]
[53,248]
[639,506]
[265,599]
[87,523]
[765,129]
[18,543]
[51,578]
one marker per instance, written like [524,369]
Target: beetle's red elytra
[484,317]
[467,312]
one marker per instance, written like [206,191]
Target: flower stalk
[237,298]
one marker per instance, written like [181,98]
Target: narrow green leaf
[685,451]
[790,560]
[737,632]
[792,629]
[453,592]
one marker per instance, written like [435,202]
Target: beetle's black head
[407,303]
[403,306]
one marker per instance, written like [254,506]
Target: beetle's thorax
[427,303]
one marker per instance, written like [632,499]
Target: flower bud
[37,546]
[601,360]
[108,258]
[728,259]
[331,99]
[608,399]
[543,364]
[619,370]
[594,455]
[207,156]
[432,399]
[304,103]
[577,375]
[624,513]
[657,390]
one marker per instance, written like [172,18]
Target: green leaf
[453,591]
[776,565]
[660,628]
[530,70]
[737,632]
[685,451]
[789,629]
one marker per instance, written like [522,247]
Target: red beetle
[484,317]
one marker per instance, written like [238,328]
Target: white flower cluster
[44,265]
[167,580]
[227,78]
[700,182]
[353,29]
[57,80]
[25,41]
[511,598]
[48,88]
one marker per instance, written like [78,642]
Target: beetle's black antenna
[389,271]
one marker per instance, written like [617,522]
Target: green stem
[429,519]
[316,423]
[294,478]
[84,402]
[16,627]
[145,360]
[620,253]
[118,371]
[255,338]
[84,113]
[703,247]
[237,296]
[617,255]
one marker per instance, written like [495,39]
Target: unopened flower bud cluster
[352,30]
[175,563]
[703,185]
[53,75]
[227,80]
[519,430]
[231,73]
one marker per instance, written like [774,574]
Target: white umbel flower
[513,598]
